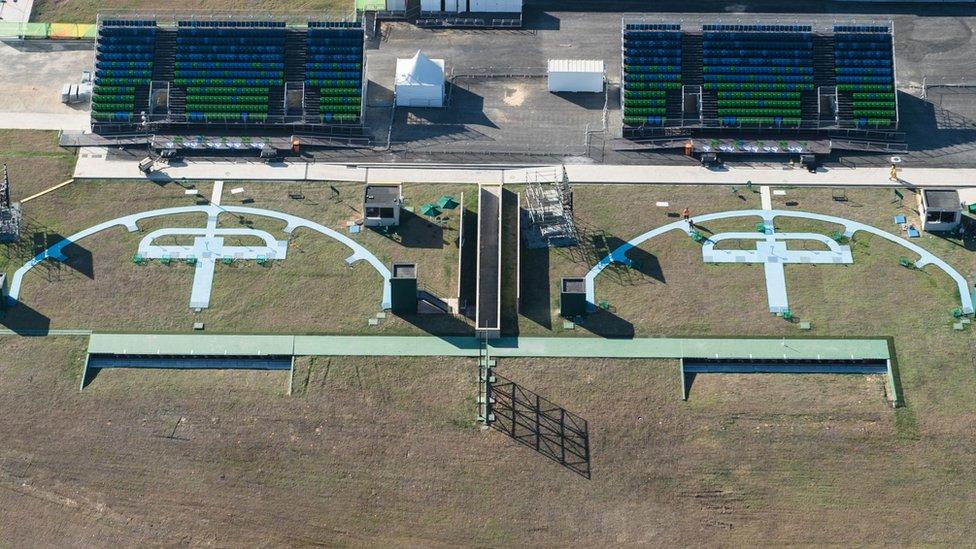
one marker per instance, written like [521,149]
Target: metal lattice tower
[549,211]
[9,213]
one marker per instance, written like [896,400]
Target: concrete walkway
[130,222]
[94,164]
[16,11]
[43,121]
[619,255]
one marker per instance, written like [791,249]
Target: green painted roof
[262,345]
[167,344]
[759,348]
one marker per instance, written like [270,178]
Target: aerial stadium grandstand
[772,80]
[155,74]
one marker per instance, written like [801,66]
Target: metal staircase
[164,56]
[295,49]
[164,71]
[691,73]
[823,75]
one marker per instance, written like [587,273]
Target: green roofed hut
[447,202]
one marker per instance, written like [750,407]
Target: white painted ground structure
[771,253]
[93,163]
[208,247]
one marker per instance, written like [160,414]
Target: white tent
[419,82]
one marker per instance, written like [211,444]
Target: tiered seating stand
[123,70]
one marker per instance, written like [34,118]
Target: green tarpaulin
[370,5]
[430,210]
[447,202]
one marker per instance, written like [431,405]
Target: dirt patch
[515,96]
[385,451]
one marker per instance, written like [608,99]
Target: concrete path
[619,255]
[130,222]
[34,73]
[43,121]
[94,164]
[218,189]
[766,197]
[846,177]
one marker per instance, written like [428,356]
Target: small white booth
[419,82]
[576,75]
[940,209]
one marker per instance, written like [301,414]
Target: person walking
[686,213]
[893,176]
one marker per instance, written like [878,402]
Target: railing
[501,72]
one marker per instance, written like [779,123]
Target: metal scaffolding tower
[548,217]
[9,213]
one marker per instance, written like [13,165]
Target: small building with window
[381,205]
[939,209]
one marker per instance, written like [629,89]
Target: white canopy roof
[420,70]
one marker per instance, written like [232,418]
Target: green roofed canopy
[447,202]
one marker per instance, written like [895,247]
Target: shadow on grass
[644,262]
[536,302]
[35,238]
[414,232]
[605,323]
[469,260]
[537,423]
[446,325]
[89,376]
[968,238]
[23,320]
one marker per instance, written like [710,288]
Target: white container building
[576,75]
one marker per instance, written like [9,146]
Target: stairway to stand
[691,70]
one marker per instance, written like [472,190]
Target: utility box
[572,297]
[403,289]
[381,205]
[576,75]
[940,209]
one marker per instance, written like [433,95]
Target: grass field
[675,293]
[313,290]
[85,11]
[384,451]
[34,161]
